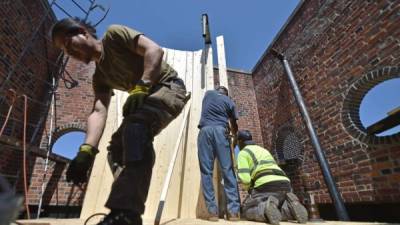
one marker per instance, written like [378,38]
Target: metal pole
[206,29]
[53,99]
[327,174]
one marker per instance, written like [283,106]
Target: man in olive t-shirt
[128,61]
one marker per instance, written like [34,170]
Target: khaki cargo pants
[131,152]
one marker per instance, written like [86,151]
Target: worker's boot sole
[298,211]
[213,218]
[272,212]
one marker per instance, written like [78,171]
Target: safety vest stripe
[244,170]
[267,162]
[253,157]
[255,161]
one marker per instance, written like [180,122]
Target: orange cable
[24,156]
[11,93]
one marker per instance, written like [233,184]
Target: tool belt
[266,172]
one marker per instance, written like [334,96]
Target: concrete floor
[187,222]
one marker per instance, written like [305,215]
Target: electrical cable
[93,215]
[25,170]
[13,98]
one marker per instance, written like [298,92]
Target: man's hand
[135,99]
[79,167]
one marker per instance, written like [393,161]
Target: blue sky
[248,28]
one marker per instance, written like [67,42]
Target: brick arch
[351,106]
[66,128]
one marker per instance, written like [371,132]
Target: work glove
[79,167]
[135,99]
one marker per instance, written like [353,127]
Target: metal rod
[89,11]
[206,29]
[327,174]
[46,165]
[80,7]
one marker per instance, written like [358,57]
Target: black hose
[93,215]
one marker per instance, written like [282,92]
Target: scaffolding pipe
[327,174]
[46,164]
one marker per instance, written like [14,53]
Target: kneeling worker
[270,198]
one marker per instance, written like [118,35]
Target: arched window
[371,111]
[380,102]
[67,144]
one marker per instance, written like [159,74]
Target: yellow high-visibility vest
[253,161]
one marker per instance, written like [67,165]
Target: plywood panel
[164,144]
[101,178]
[184,196]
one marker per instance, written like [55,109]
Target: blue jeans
[212,142]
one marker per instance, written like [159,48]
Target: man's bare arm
[152,54]
[97,119]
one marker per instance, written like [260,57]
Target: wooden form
[184,199]
[171,166]
[223,77]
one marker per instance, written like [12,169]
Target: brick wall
[330,45]
[73,105]
[27,64]
[57,191]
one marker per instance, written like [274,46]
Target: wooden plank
[171,166]
[162,150]
[172,200]
[101,176]
[223,77]
[193,204]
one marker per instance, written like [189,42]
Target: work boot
[285,212]
[233,216]
[298,211]
[212,216]
[121,218]
[271,211]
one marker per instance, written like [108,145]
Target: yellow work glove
[135,99]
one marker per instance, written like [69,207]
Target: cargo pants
[131,153]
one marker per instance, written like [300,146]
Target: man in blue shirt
[213,141]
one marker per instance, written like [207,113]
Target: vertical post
[223,77]
[327,174]
[206,29]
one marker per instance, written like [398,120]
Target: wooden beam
[223,76]
[385,124]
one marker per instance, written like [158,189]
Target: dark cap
[244,135]
[223,90]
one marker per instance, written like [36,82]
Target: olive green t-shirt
[119,67]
